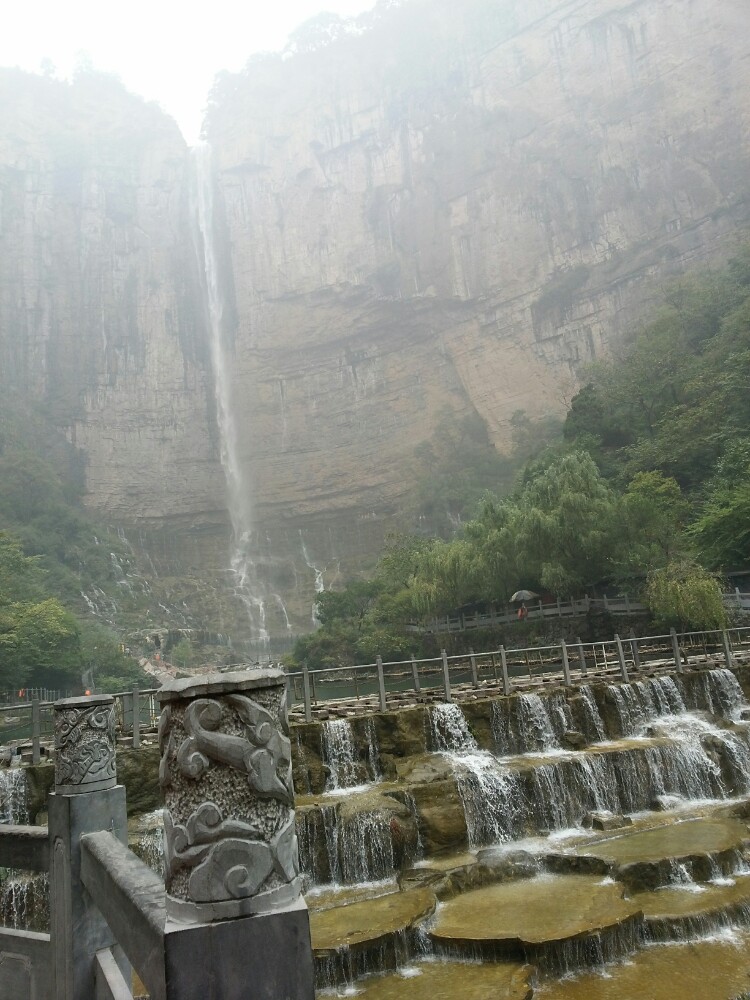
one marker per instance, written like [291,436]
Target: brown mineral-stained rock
[461,229]
[442,823]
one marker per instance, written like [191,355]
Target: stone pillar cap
[84,701]
[219,683]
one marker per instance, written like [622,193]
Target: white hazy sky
[164,50]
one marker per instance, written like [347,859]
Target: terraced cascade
[591,922]
[449,980]
[716,969]
[693,910]
[678,852]
[559,831]
[360,938]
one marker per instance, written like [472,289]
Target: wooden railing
[382,685]
[622,604]
[137,710]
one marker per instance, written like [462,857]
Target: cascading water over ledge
[510,774]
[13,808]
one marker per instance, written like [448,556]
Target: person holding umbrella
[523,595]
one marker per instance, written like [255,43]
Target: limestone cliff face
[100,305]
[456,209]
[452,210]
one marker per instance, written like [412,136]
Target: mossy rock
[138,771]
[40,780]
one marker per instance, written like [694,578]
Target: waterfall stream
[13,796]
[340,755]
[243,559]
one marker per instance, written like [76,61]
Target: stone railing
[230,913]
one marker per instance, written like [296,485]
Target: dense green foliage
[648,490]
[50,552]
[460,464]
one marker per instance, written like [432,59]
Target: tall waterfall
[319,581]
[242,562]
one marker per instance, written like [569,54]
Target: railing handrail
[568,658]
[536,608]
[509,651]
[132,899]
[24,847]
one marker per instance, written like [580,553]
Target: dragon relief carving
[262,753]
[85,745]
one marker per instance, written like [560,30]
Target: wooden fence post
[415,673]
[634,650]
[306,687]
[446,676]
[621,658]
[504,663]
[581,656]
[565,664]
[136,719]
[36,731]
[676,651]
[381,684]
[473,662]
[727,647]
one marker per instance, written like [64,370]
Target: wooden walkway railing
[381,686]
[375,686]
[622,604]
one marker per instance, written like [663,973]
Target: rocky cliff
[101,315]
[440,208]
[457,208]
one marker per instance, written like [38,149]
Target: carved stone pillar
[84,744]
[86,799]
[226,772]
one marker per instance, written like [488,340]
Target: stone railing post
[86,799]
[236,920]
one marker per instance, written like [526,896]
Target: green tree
[564,529]
[652,515]
[721,530]
[39,644]
[683,595]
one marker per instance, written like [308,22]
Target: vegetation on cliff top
[648,490]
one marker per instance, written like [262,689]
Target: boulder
[606,821]
[574,740]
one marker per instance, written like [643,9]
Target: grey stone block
[263,957]
[78,929]
[25,967]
